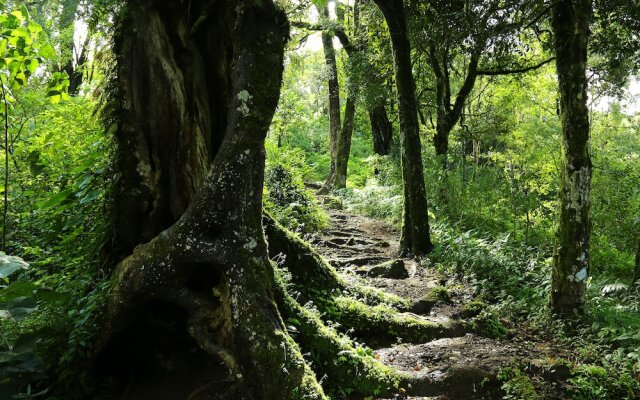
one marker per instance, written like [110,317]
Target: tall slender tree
[416,237]
[334,98]
[570,24]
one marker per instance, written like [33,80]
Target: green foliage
[286,197]
[517,385]
[592,382]
[487,324]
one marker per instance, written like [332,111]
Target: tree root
[351,368]
[370,313]
[309,270]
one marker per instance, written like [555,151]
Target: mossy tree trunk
[416,238]
[197,87]
[570,24]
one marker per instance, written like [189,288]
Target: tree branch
[514,71]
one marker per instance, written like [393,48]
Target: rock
[332,203]
[423,306]
[393,269]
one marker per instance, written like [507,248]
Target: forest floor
[357,246]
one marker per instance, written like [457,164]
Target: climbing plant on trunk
[570,24]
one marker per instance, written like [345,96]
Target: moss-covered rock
[394,269]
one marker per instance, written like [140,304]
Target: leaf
[47,51]
[57,199]
[34,27]
[10,264]
[92,195]
[17,289]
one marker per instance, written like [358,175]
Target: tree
[416,238]
[364,75]
[472,39]
[193,240]
[334,100]
[370,77]
[205,101]
[570,24]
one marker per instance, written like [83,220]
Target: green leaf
[47,51]
[17,289]
[57,199]
[10,264]
[19,308]
[34,27]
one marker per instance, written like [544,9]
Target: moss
[332,203]
[473,309]
[438,294]
[352,369]
[385,323]
[517,385]
[487,324]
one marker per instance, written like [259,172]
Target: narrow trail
[468,365]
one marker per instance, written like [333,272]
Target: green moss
[385,323]
[438,294]
[517,385]
[487,324]
[473,309]
[352,369]
[332,202]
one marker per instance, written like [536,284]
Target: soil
[467,366]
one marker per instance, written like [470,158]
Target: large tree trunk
[570,23]
[416,237]
[197,88]
[334,100]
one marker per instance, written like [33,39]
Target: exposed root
[385,324]
[369,312]
[347,365]
[309,270]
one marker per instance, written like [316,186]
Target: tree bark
[416,237]
[197,88]
[570,24]
[334,101]
[344,142]
[447,114]
[381,127]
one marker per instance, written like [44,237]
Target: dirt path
[357,245]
